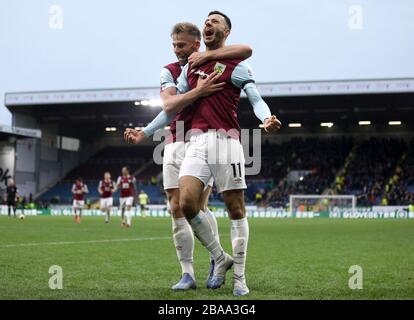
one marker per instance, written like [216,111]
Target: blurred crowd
[319,158]
[400,188]
[369,167]
[378,171]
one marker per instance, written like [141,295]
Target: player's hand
[198,58]
[272,124]
[133,136]
[208,85]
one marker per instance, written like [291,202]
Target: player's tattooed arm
[236,51]
[173,103]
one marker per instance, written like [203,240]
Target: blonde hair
[186,27]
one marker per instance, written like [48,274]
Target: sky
[90,44]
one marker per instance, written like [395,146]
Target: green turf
[287,259]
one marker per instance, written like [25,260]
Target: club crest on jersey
[219,67]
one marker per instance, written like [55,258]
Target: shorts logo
[238,180]
[219,67]
[249,71]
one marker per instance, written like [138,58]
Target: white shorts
[78,204]
[106,203]
[173,158]
[126,202]
[215,154]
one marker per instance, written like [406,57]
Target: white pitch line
[33,244]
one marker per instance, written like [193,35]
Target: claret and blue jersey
[218,111]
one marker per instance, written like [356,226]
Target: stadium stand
[372,163]
[400,188]
[334,165]
[111,159]
[321,158]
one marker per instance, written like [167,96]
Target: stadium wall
[7,155]
[397,212]
[25,175]
[40,163]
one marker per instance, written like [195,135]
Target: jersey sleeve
[100,185]
[73,188]
[166,79]
[260,107]
[85,188]
[242,76]
[159,122]
[118,181]
[182,81]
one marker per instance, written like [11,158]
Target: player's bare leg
[191,189]
[213,222]
[234,200]
[183,241]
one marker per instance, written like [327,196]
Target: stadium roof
[274,89]
[121,108]
[7,131]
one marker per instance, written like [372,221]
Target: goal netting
[322,205]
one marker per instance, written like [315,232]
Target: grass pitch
[287,259]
